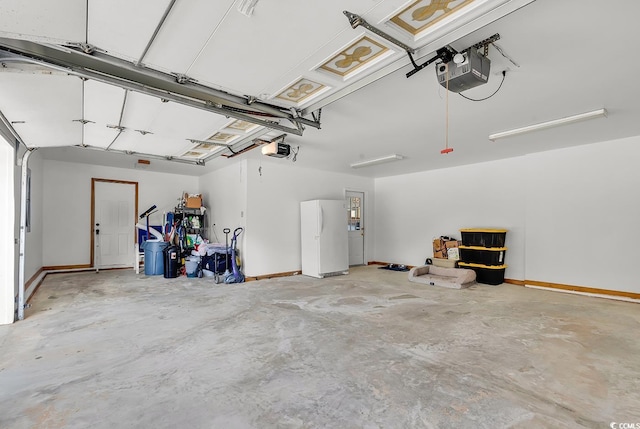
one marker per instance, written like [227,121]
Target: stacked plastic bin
[483,251]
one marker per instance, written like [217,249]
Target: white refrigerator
[325,245]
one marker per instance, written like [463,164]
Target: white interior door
[355,226]
[114,224]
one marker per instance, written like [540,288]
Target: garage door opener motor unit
[277,149]
[466,70]
[456,71]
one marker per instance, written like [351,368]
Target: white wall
[572,214]
[583,215]
[413,209]
[7,231]
[33,245]
[224,193]
[236,195]
[267,205]
[272,242]
[67,204]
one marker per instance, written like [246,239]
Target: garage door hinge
[183,78]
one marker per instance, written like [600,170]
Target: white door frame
[7,230]
[364,216]
[93,212]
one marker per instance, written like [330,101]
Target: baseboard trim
[559,287]
[66,267]
[293,273]
[36,281]
[577,290]
[271,276]
[603,293]
[33,278]
[32,285]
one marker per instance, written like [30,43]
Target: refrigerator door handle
[321,219]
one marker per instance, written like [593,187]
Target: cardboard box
[193,201]
[442,245]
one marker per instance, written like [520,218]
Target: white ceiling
[574,56]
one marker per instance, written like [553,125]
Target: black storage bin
[171,262]
[482,255]
[483,237]
[487,274]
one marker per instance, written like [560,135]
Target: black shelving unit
[483,251]
[195,220]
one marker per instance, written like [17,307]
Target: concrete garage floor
[367,350]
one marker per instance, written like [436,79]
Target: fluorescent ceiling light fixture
[549,124]
[375,161]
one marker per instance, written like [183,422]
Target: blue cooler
[154,257]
